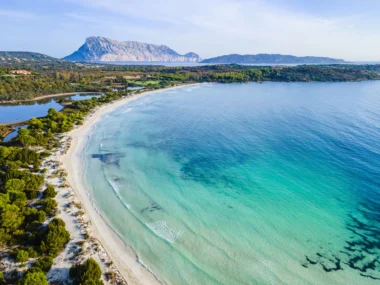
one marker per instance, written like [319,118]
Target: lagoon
[19,112]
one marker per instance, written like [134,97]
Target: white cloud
[214,27]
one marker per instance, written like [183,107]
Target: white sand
[104,244]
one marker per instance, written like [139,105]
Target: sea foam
[161,229]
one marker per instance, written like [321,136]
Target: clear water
[13,134]
[245,183]
[13,113]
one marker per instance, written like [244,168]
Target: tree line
[91,78]
[29,229]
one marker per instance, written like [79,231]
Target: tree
[33,276]
[11,218]
[33,215]
[18,198]
[44,263]
[4,200]
[35,124]
[25,138]
[52,114]
[4,152]
[87,273]
[49,206]
[22,256]
[2,280]
[55,237]
[15,185]
[50,192]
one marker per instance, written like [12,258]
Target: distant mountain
[104,49]
[271,59]
[20,57]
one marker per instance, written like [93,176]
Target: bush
[15,185]
[55,237]
[50,192]
[32,194]
[2,280]
[22,256]
[32,253]
[49,206]
[87,273]
[44,263]
[33,276]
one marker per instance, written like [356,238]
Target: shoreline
[127,263]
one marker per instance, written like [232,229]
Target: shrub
[49,206]
[55,237]
[22,256]
[50,192]
[32,194]
[44,263]
[33,276]
[32,253]
[87,273]
[15,185]
[2,280]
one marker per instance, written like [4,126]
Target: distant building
[20,71]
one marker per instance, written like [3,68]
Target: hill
[105,49]
[271,59]
[20,57]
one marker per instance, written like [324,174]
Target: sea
[274,183]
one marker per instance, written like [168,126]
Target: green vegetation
[54,237]
[50,192]
[87,273]
[22,256]
[23,211]
[33,276]
[44,263]
[25,205]
[4,131]
[145,83]
[61,76]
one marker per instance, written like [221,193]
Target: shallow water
[245,183]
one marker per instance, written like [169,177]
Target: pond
[14,113]
[13,134]
[135,87]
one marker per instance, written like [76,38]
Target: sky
[347,29]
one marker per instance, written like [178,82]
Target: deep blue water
[245,183]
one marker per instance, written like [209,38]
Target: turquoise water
[245,183]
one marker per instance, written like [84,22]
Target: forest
[29,231]
[61,77]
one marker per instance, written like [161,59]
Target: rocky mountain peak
[106,49]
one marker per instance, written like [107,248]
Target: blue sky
[342,29]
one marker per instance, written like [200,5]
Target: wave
[116,188]
[161,229]
[127,110]
[147,268]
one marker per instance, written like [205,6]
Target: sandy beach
[108,246]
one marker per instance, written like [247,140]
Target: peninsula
[271,59]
